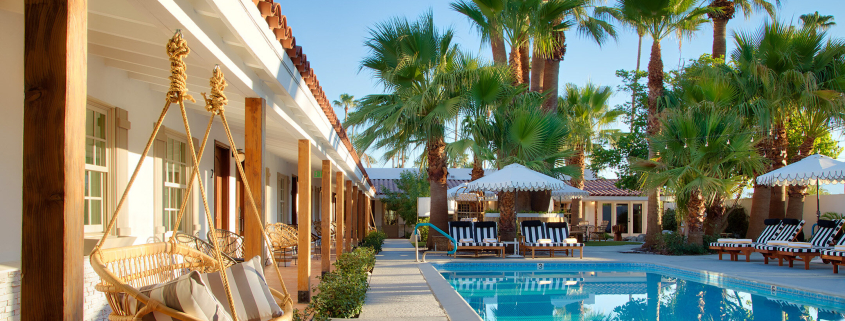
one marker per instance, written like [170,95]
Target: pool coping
[451,301]
[775,290]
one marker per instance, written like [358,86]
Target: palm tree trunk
[477,168]
[795,205]
[551,73]
[515,63]
[507,215]
[655,90]
[537,67]
[636,80]
[437,175]
[497,44]
[550,84]
[525,57]
[695,218]
[760,203]
[715,215]
[777,209]
[719,39]
[577,160]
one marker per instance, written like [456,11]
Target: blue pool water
[617,292]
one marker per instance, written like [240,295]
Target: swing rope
[177,50]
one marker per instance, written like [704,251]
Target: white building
[127,78]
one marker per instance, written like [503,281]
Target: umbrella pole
[818,208]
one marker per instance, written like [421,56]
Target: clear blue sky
[332,34]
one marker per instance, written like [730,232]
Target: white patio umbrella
[816,169]
[516,177]
[460,193]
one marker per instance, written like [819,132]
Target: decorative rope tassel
[218,99]
[177,49]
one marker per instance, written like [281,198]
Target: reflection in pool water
[618,296]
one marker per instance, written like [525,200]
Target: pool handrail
[416,234]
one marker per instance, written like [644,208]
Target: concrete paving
[397,288]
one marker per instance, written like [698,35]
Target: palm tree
[421,70]
[816,21]
[520,132]
[661,19]
[490,91]
[486,15]
[726,11]
[785,72]
[703,152]
[592,27]
[346,101]
[587,113]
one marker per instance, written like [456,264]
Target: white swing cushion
[187,293]
[253,300]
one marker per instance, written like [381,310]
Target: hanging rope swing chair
[123,271]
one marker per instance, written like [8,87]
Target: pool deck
[399,290]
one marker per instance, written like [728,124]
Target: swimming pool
[626,291]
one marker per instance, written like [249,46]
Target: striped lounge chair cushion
[766,247]
[532,231]
[823,239]
[558,233]
[791,228]
[833,252]
[253,300]
[486,230]
[188,293]
[461,231]
[773,227]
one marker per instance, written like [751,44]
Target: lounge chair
[558,233]
[801,251]
[462,233]
[791,228]
[486,236]
[836,255]
[532,232]
[735,247]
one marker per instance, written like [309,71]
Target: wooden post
[255,135]
[339,202]
[368,214]
[55,78]
[326,242]
[303,281]
[348,216]
[361,214]
[355,215]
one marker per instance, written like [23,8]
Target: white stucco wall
[11,128]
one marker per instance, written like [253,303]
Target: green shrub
[676,244]
[424,230]
[737,222]
[374,240]
[670,220]
[832,216]
[341,292]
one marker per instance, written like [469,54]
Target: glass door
[623,217]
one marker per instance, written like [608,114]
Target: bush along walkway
[397,289]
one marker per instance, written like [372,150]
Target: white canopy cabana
[815,169]
[516,177]
[461,193]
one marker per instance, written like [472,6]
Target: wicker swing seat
[124,270]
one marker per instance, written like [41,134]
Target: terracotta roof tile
[278,24]
[607,187]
